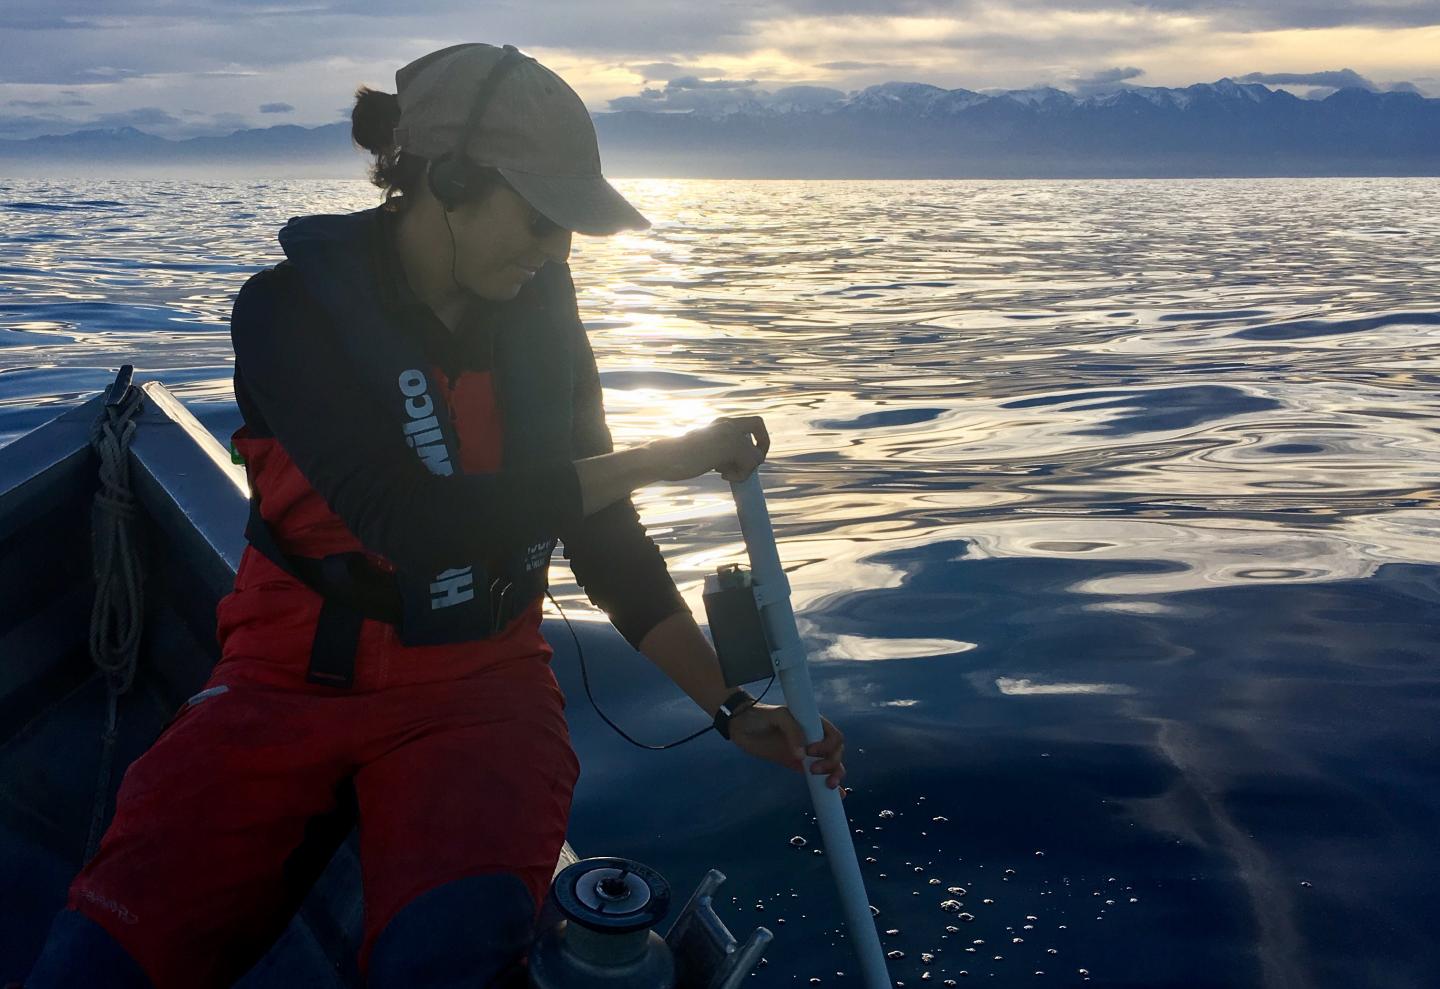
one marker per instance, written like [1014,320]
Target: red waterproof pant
[459,755]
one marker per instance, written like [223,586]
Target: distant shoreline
[32,170]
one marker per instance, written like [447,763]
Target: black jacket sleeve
[617,565]
[293,381]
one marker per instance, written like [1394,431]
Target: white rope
[117,616]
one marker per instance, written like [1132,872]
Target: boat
[55,703]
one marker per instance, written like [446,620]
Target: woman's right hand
[733,445]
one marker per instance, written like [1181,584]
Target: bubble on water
[1031,917]
[797,842]
[949,982]
[895,954]
[1304,884]
[1062,927]
[1109,903]
[817,851]
[978,940]
[951,906]
[874,910]
[987,902]
[1084,971]
[927,958]
[1039,855]
[940,820]
[1017,940]
[933,881]
[918,868]
[871,859]
[893,932]
[886,815]
[924,976]
[1009,872]
[955,890]
[952,929]
[1134,899]
[760,907]
[967,917]
[1051,951]
[815,981]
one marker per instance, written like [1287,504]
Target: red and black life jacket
[334,257]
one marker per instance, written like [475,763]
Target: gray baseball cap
[534,130]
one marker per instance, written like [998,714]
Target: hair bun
[373,121]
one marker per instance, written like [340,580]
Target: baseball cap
[534,131]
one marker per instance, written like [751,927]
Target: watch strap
[730,707]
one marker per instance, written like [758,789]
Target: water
[1110,515]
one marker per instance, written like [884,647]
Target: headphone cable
[585,677]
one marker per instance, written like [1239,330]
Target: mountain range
[892,130]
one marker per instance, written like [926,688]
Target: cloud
[1335,79]
[1103,81]
[693,82]
[238,55]
[276,108]
[854,66]
[724,95]
[64,99]
[662,71]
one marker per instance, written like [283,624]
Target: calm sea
[1110,513]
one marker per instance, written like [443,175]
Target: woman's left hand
[770,731]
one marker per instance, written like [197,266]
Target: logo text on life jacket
[538,555]
[422,432]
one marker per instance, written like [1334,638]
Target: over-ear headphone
[449,174]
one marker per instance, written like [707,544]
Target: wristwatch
[732,706]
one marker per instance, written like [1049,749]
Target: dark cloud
[1107,76]
[276,108]
[1335,79]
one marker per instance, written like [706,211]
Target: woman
[423,420]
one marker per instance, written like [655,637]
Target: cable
[585,677]
[445,212]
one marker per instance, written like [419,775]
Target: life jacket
[334,256]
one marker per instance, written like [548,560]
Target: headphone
[449,175]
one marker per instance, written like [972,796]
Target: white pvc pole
[772,593]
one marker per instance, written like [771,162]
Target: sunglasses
[540,225]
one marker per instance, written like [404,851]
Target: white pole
[772,593]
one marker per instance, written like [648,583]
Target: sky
[179,68]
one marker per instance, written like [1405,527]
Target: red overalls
[459,754]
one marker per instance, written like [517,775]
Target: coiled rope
[117,615]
